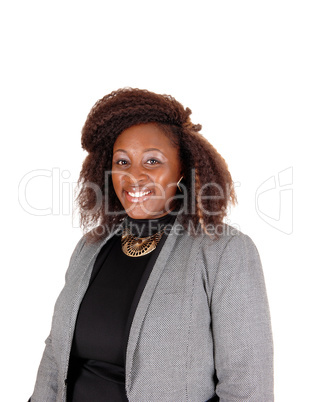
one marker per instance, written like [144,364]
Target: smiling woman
[163,301]
[206,187]
[145,171]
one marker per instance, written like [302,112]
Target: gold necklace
[138,246]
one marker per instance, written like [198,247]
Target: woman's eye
[152,162]
[121,162]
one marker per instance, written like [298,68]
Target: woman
[163,301]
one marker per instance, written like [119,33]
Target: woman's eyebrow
[120,150]
[145,150]
[153,149]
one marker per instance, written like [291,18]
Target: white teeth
[139,194]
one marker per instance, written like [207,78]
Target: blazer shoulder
[220,236]
[229,240]
[74,256]
[233,254]
[86,250]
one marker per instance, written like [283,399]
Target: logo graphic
[274,201]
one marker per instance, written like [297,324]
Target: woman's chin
[134,214]
[141,211]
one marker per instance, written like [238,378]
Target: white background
[243,67]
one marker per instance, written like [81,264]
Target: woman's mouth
[138,196]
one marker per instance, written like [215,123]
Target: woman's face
[145,171]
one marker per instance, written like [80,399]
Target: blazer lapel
[80,283]
[145,301]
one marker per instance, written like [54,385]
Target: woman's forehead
[142,136]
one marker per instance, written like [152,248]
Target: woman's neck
[148,227]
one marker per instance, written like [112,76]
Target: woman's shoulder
[227,239]
[84,251]
[231,258]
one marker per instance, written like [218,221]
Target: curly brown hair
[202,166]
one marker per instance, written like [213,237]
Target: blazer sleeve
[243,345]
[46,386]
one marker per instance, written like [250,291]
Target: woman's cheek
[117,183]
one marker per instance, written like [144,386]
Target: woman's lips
[138,196]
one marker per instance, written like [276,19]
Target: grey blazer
[202,325]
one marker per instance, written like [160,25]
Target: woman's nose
[137,174]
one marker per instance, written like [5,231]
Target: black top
[97,360]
